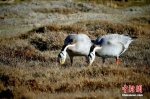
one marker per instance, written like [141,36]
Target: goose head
[61,57]
[91,56]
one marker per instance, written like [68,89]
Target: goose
[74,45]
[111,45]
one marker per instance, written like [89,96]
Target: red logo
[132,88]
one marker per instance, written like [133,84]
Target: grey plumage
[112,45]
[75,45]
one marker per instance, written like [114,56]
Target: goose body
[75,45]
[112,45]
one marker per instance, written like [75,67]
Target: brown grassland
[29,69]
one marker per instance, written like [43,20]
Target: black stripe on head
[91,55]
[62,53]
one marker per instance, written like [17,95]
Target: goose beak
[90,64]
[90,59]
[60,62]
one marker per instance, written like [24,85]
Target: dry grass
[55,10]
[28,64]
[118,3]
[29,70]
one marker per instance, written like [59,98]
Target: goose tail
[134,37]
[92,41]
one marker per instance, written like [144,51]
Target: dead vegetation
[55,10]
[27,66]
[29,70]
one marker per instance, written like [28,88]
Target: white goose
[112,45]
[74,45]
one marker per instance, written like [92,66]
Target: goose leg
[86,58]
[103,60]
[117,60]
[71,60]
